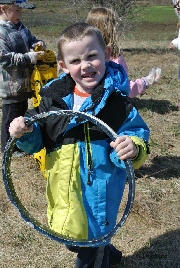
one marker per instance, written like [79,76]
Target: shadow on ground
[158,106]
[139,50]
[161,252]
[162,167]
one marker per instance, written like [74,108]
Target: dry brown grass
[151,236]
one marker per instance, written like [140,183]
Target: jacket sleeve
[138,131]
[12,60]
[137,87]
[32,141]
[31,38]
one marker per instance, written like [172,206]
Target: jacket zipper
[89,155]
[89,160]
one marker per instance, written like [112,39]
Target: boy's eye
[91,56]
[75,61]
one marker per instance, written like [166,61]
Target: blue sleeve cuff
[116,160]
[31,142]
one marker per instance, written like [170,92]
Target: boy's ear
[3,8]
[63,67]
[107,54]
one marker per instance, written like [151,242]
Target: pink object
[137,87]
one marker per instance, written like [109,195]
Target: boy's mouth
[89,75]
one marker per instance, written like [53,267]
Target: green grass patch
[155,23]
[159,14]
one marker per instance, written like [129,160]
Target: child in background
[85,172]
[107,21]
[176,42]
[15,62]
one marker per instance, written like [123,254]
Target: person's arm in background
[12,60]
[175,43]
[139,86]
[33,40]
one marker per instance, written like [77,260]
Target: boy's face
[13,14]
[85,60]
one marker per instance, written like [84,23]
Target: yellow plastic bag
[43,72]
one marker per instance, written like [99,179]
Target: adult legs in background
[9,112]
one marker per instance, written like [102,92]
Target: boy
[85,174]
[15,61]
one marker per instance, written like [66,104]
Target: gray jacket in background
[15,43]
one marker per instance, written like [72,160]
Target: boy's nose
[86,65]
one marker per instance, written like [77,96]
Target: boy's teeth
[89,75]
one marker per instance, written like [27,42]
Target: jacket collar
[64,85]
[115,79]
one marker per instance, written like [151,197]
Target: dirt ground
[150,238]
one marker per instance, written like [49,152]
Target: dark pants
[97,257]
[9,112]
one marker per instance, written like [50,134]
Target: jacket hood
[116,78]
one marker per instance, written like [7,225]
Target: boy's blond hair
[76,32]
[106,20]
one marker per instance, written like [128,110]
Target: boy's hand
[124,147]
[18,127]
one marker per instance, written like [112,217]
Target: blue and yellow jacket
[85,178]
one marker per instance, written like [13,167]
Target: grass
[159,14]
[150,238]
